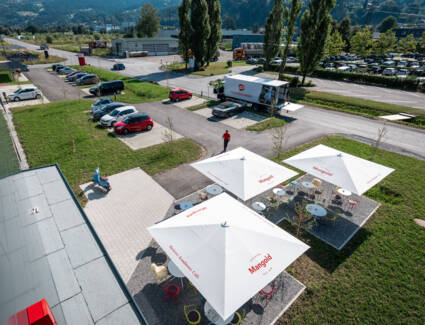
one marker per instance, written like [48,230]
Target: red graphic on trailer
[241,87]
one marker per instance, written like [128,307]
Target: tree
[382,132]
[362,42]
[200,31]
[344,28]
[49,39]
[32,29]
[334,44]
[273,33]
[420,45]
[301,218]
[407,44]
[148,25]
[278,140]
[388,24]
[314,30]
[290,16]
[255,28]
[185,30]
[385,43]
[229,23]
[214,12]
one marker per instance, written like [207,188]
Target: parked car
[88,79]
[117,115]
[100,103]
[276,61]
[134,123]
[261,61]
[402,73]
[291,59]
[375,69]
[419,73]
[108,87]
[252,61]
[108,108]
[56,67]
[74,77]
[118,66]
[414,65]
[26,93]
[362,68]
[389,63]
[389,72]
[402,64]
[344,68]
[227,109]
[179,94]
[66,71]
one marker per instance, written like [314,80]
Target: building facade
[153,46]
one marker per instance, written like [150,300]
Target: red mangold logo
[241,87]
[266,179]
[195,212]
[261,264]
[322,171]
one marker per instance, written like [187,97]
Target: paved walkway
[121,216]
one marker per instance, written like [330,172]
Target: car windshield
[114,112]
[127,120]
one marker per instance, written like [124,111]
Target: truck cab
[239,54]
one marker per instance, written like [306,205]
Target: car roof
[138,115]
[123,108]
[177,89]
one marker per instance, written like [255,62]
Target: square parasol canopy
[243,172]
[339,168]
[228,251]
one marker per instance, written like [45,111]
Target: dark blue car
[118,66]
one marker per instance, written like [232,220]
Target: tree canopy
[148,25]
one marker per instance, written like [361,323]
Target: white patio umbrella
[342,169]
[243,172]
[226,250]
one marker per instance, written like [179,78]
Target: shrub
[294,82]
[49,39]
[259,68]
[229,63]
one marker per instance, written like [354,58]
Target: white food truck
[256,91]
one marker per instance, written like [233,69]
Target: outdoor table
[316,210]
[174,271]
[308,185]
[214,189]
[344,192]
[185,205]
[258,206]
[279,192]
[215,318]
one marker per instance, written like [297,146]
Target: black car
[375,69]
[261,61]
[57,67]
[97,114]
[227,109]
[251,61]
[118,66]
[109,87]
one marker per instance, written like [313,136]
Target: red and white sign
[241,87]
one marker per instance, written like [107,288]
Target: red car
[134,123]
[179,94]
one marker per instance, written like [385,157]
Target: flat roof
[264,81]
[50,250]
[141,39]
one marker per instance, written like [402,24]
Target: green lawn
[8,162]
[135,91]
[209,103]
[214,69]
[227,46]
[270,123]
[358,106]
[5,77]
[378,278]
[68,137]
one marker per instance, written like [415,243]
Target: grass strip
[270,123]
[214,69]
[135,91]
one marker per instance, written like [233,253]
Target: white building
[153,46]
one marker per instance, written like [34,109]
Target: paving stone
[76,312]
[123,315]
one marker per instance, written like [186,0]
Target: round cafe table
[214,189]
[344,192]
[185,205]
[316,210]
[258,206]
[308,185]
[279,192]
[175,272]
[215,318]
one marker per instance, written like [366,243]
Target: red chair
[172,291]
[267,292]
[352,204]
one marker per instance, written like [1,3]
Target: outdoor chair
[317,183]
[237,319]
[172,291]
[203,196]
[352,204]
[193,316]
[160,272]
[267,292]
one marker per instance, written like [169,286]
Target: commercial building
[153,46]
[246,38]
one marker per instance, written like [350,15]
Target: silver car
[23,94]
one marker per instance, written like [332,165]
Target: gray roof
[152,39]
[49,250]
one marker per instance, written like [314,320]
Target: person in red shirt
[226,138]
